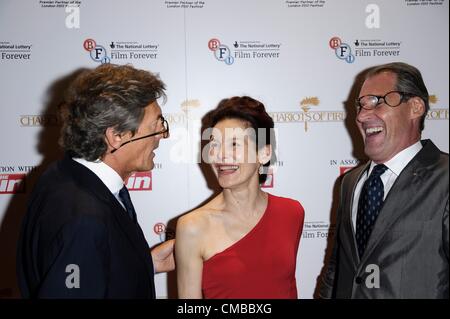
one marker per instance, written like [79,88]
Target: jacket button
[358,280]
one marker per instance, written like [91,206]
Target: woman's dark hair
[254,113]
[107,96]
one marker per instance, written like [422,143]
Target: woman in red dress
[244,242]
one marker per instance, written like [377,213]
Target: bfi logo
[97,52]
[342,50]
[12,183]
[140,181]
[163,232]
[221,51]
[160,230]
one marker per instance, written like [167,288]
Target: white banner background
[301,81]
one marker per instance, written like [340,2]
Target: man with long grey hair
[80,237]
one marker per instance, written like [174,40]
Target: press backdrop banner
[299,57]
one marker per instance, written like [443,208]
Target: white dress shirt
[395,166]
[107,175]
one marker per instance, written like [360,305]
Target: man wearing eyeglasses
[80,237]
[392,236]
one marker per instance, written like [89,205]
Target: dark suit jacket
[73,219]
[410,240]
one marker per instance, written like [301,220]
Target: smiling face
[233,155]
[388,130]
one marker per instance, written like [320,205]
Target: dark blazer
[410,240]
[73,219]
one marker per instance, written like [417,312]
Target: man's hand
[162,256]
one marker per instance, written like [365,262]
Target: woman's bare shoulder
[198,220]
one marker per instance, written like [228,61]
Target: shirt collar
[399,161]
[107,175]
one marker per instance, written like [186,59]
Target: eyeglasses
[392,99]
[164,132]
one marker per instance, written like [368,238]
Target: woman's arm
[189,261]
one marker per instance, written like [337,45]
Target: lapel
[88,180]
[407,183]
[350,184]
